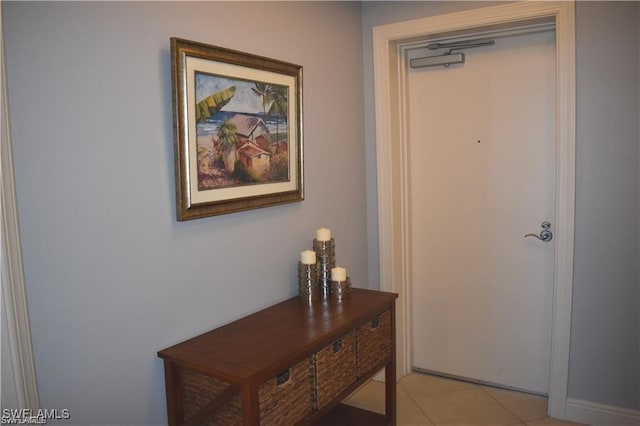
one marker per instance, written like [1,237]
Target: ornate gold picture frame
[237,121]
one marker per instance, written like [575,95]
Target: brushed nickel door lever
[545,235]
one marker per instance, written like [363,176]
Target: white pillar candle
[323,234]
[338,274]
[308,257]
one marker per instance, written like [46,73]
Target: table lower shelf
[348,415]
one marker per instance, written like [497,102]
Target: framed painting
[237,121]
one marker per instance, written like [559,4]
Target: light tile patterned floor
[431,400]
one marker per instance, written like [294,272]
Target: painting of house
[254,158]
[252,143]
[241,123]
[251,129]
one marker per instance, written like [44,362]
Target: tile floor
[431,400]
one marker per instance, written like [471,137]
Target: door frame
[392,170]
[13,307]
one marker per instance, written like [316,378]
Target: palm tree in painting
[279,106]
[227,140]
[213,103]
[266,92]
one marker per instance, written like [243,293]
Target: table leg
[390,393]
[250,405]
[174,393]
[390,376]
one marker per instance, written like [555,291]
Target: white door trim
[14,295]
[391,148]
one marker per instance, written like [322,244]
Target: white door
[482,164]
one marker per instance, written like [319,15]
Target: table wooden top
[261,345]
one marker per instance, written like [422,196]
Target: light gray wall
[111,276]
[605,323]
[605,329]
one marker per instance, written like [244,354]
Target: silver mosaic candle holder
[340,289]
[308,282]
[326,259]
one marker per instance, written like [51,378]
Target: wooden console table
[291,363]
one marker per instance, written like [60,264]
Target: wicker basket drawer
[208,401]
[374,342]
[335,367]
[287,398]
[284,399]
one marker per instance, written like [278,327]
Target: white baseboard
[595,414]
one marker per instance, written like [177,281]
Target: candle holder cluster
[308,282]
[326,260]
[341,289]
[318,276]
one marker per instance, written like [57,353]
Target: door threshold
[477,381]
